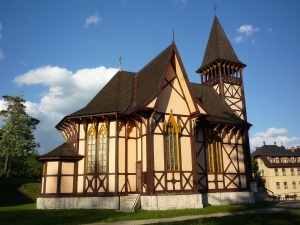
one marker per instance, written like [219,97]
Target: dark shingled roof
[115,96]
[64,152]
[218,46]
[151,76]
[128,91]
[276,151]
[217,109]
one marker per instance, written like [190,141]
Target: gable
[175,94]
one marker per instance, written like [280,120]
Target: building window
[294,184]
[292,172]
[102,149]
[276,172]
[283,172]
[277,185]
[91,150]
[172,129]
[214,155]
[285,185]
[96,151]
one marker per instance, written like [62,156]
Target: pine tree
[16,134]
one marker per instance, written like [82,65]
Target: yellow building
[280,170]
[154,134]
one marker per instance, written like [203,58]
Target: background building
[279,169]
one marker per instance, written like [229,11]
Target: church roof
[151,76]
[218,47]
[64,152]
[218,110]
[127,92]
[115,96]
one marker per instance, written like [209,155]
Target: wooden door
[138,176]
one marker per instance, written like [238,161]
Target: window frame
[172,130]
[294,185]
[96,160]
[278,185]
[102,150]
[214,153]
[292,172]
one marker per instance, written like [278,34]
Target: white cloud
[244,32]
[270,29]
[239,39]
[2,56]
[247,30]
[93,19]
[278,135]
[66,93]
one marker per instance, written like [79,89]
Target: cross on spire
[120,63]
[215,8]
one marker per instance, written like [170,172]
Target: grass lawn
[17,206]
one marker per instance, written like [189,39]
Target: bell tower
[222,70]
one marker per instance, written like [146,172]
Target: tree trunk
[6,165]
[10,168]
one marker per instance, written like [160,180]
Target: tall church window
[214,156]
[96,150]
[91,150]
[172,130]
[102,149]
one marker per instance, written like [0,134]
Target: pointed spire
[218,46]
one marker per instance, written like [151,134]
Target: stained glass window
[91,150]
[172,129]
[214,156]
[102,149]
[97,150]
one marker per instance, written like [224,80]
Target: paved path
[280,207]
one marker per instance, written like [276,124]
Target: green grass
[27,214]
[283,218]
[18,197]
[18,191]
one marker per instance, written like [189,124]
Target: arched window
[214,156]
[171,130]
[97,150]
[91,150]
[102,149]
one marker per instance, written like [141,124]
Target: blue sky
[60,53]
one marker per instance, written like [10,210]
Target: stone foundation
[80,203]
[227,198]
[153,202]
[165,202]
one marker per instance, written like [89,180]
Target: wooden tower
[222,70]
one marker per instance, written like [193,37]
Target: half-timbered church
[153,140]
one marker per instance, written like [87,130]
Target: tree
[17,141]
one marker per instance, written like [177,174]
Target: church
[153,140]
